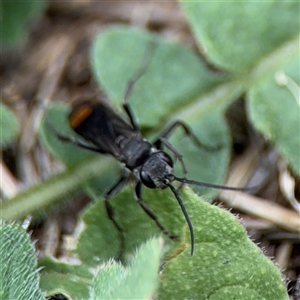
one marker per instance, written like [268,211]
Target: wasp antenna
[211,185]
[176,194]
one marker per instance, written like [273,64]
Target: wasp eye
[146,180]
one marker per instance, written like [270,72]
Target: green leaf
[137,281]
[275,112]
[70,279]
[237,35]
[9,126]
[19,279]
[225,260]
[15,19]
[257,53]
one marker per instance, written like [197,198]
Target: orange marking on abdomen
[79,115]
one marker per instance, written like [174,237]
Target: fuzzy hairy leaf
[139,280]
[19,278]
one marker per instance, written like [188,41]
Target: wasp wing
[100,125]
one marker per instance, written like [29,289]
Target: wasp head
[156,170]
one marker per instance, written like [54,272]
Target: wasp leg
[188,131]
[72,140]
[176,153]
[77,143]
[131,83]
[111,214]
[149,212]
[162,141]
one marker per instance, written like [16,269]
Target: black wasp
[106,132]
